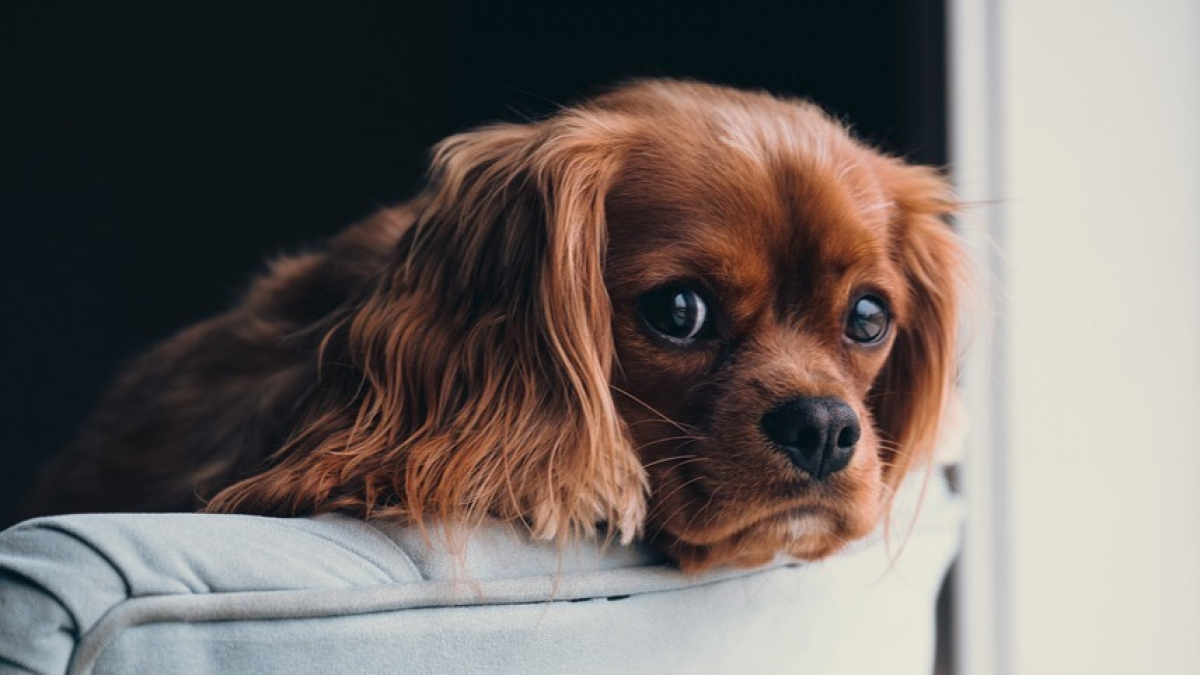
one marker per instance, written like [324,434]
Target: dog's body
[211,404]
[705,315]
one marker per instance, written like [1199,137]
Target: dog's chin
[801,533]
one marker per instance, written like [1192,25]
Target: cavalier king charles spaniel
[706,317]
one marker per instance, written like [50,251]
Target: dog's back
[209,404]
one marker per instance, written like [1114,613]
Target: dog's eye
[868,320]
[680,314]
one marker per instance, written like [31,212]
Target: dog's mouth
[801,533]
[706,524]
[781,523]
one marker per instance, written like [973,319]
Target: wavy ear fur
[471,379]
[909,398]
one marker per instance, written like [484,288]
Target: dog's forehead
[754,197]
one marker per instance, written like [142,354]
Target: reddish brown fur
[477,352]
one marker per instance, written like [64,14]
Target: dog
[703,316]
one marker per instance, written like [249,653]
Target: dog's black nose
[817,434]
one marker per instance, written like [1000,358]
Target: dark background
[151,156]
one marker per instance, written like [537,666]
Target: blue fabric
[188,593]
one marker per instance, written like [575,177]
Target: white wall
[1082,118]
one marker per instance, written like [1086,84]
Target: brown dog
[705,315]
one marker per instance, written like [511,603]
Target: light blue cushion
[188,593]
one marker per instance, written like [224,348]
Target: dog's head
[703,314]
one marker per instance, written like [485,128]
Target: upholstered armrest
[187,593]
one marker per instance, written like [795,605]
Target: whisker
[669,516]
[711,514]
[683,506]
[654,420]
[680,460]
[690,439]
[652,409]
[688,483]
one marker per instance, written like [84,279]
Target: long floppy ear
[909,397]
[479,363]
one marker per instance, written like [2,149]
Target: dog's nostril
[781,427]
[817,434]
[848,437]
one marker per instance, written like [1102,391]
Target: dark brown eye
[868,320]
[678,313]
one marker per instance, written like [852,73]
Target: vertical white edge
[976,155]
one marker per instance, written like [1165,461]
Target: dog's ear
[480,361]
[909,397]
